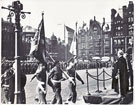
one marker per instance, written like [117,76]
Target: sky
[68,12]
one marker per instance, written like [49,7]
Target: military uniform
[41,87]
[72,86]
[56,77]
[8,86]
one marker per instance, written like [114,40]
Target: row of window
[118,41]
[119,33]
[119,28]
[130,19]
[118,22]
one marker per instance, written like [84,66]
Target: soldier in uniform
[41,86]
[56,77]
[71,71]
[8,84]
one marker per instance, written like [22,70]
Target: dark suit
[124,83]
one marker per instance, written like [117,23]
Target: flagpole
[65,43]
[76,42]
[44,31]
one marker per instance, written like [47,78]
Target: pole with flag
[38,43]
[73,47]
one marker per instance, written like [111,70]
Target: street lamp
[16,9]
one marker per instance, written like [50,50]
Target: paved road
[81,89]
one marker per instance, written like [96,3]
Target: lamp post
[16,9]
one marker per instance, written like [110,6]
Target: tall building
[122,25]
[56,48]
[82,43]
[94,41]
[8,40]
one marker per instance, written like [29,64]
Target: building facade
[28,34]
[8,40]
[122,25]
[93,42]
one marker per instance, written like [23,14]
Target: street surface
[30,87]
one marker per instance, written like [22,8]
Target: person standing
[56,78]
[123,72]
[41,86]
[8,84]
[71,71]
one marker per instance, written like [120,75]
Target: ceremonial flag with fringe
[38,44]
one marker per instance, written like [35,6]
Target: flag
[73,47]
[38,48]
[69,33]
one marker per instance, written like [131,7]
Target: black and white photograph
[70,52]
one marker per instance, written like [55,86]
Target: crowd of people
[54,74]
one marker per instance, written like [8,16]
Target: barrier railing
[96,77]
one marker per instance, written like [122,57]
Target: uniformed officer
[9,85]
[71,71]
[56,77]
[41,86]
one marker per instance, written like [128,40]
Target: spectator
[122,67]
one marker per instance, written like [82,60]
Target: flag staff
[44,31]
[65,43]
[76,41]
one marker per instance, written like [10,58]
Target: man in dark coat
[122,67]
